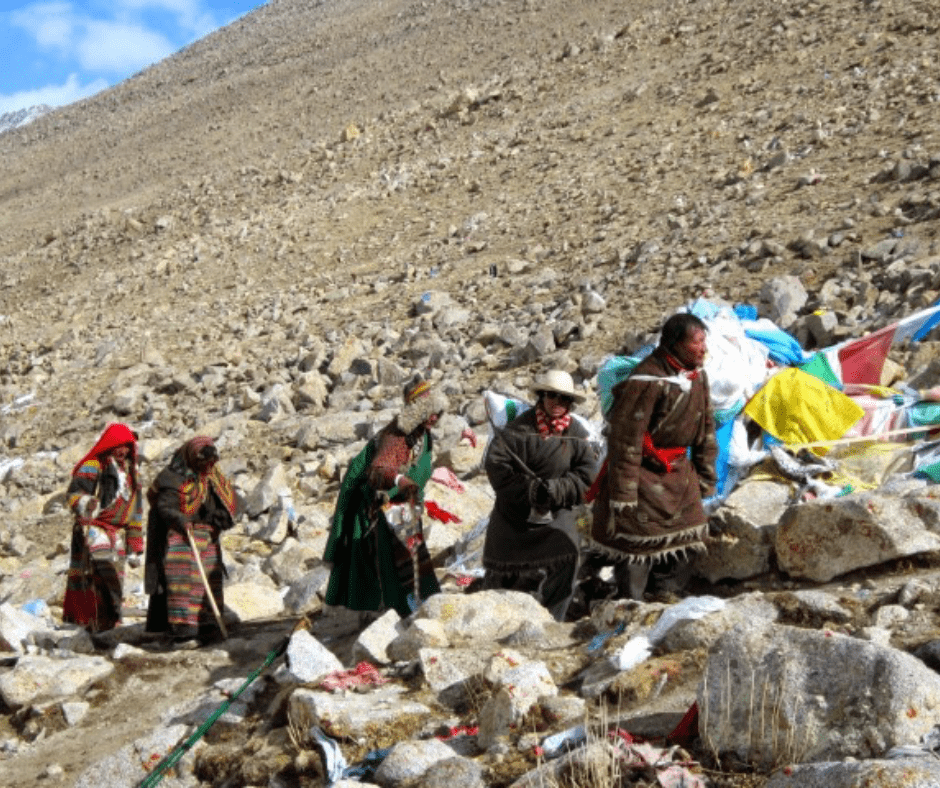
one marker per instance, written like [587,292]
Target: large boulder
[776,694]
[823,539]
[745,526]
[900,773]
[486,615]
[35,679]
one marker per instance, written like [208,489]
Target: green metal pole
[173,758]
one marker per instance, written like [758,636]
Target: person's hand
[539,497]
[407,487]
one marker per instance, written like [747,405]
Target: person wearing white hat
[540,466]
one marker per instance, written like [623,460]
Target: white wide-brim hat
[558,381]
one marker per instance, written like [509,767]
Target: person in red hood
[105,496]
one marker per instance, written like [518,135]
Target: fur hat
[421,402]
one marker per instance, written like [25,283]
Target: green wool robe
[371,568]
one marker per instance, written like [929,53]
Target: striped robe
[94,588]
[178,600]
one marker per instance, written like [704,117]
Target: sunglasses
[564,399]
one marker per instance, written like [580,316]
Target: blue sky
[56,52]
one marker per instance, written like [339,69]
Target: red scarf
[678,366]
[549,426]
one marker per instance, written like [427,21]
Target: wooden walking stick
[205,582]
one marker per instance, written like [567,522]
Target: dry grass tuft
[773,737]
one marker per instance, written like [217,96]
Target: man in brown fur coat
[661,454]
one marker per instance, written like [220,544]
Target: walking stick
[169,761]
[416,535]
[205,582]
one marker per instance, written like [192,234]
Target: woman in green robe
[376,546]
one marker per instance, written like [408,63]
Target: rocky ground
[261,237]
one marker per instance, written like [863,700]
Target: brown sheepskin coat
[668,518]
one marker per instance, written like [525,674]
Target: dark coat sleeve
[508,478]
[629,418]
[567,489]
[167,506]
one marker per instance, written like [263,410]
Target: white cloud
[190,15]
[51,24]
[119,47]
[53,95]
[122,48]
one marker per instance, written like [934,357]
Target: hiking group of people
[190,503]
[646,503]
[646,498]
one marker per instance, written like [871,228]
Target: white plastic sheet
[638,648]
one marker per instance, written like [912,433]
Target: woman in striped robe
[190,497]
[104,495]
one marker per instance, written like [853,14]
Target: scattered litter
[364,673]
[18,404]
[600,639]
[929,746]
[439,513]
[638,648]
[335,763]
[444,475]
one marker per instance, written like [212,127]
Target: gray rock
[308,659]
[745,525]
[74,711]
[275,404]
[823,539]
[702,632]
[452,772]
[303,596]
[812,607]
[776,694]
[900,773]
[451,673]
[18,628]
[517,690]
[372,645]
[485,615]
[784,296]
[132,763]
[351,714]
[422,633]
[265,493]
[253,601]
[35,680]
[410,760]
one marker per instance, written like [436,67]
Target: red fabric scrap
[364,673]
[460,730]
[687,729]
[438,513]
[446,476]
[595,487]
[470,435]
